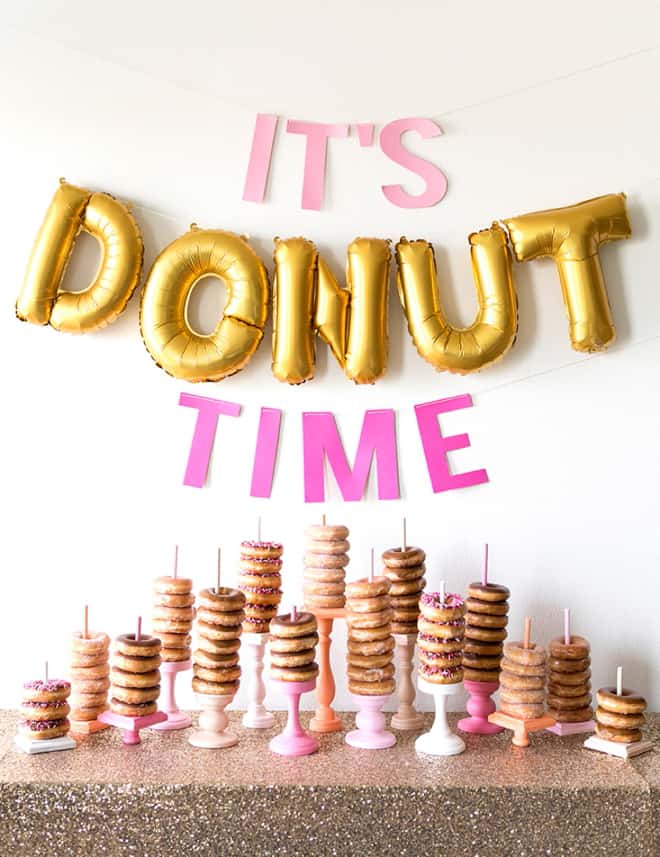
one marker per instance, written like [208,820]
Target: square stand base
[50,745]
[521,728]
[572,728]
[87,727]
[132,725]
[624,751]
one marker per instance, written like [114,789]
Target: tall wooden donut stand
[325,719]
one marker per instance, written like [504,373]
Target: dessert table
[165,798]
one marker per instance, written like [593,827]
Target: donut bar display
[485,631]
[569,680]
[440,639]
[260,580]
[135,675]
[173,615]
[220,617]
[45,709]
[325,561]
[370,641]
[404,568]
[90,677]
[293,647]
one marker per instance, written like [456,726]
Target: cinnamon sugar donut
[87,700]
[511,681]
[326,532]
[374,647]
[168,585]
[324,575]
[371,688]
[162,599]
[99,671]
[326,560]
[95,660]
[92,685]
[370,673]
[145,647]
[367,590]
[403,557]
[42,730]
[522,710]
[85,714]
[304,673]
[532,656]
[328,548]
[522,669]
[48,690]
[45,710]
[576,650]
[94,642]
[488,591]
[132,709]
[312,587]
[522,697]
[215,688]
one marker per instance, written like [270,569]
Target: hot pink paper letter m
[436,446]
[204,434]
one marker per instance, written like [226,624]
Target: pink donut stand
[131,725]
[293,740]
[370,721]
[480,706]
[176,719]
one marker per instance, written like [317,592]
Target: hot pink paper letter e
[204,434]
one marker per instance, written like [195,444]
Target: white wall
[155,104]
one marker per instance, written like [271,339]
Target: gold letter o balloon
[111,223]
[171,341]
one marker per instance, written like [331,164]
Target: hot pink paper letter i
[204,434]
[436,446]
[321,440]
[265,454]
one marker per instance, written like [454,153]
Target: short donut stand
[132,725]
[325,719]
[293,740]
[256,716]
[370,721]
[480,706]
[406,717]
[213,722]
[176,719]
[440,741]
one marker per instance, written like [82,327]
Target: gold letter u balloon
[73,209]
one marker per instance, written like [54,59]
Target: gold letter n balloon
[166,331]
[73,209]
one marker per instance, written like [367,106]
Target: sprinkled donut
[42,730]
[261,550]
[49,690]
[438,610]
[45,710]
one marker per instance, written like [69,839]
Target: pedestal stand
[293,740]
[325,719]
[406,717]
[256,716]
[132,725]
[87,727]
[480,705]
[370,721]
[521,728]
[175,719]
[213,722]
[612,748]
[49,745]
[572,728]
[440,741]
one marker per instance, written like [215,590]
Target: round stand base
[258,721]
[175,720]
[436,745]
[440,741]
[331,724]
[480,706]
[212,740]
[300,745]
[293,740]
[412,723]
[213,721]
[371,733]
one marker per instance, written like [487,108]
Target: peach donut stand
[521,728]
[325,719]
[176,719]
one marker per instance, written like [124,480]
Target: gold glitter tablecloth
[165,798]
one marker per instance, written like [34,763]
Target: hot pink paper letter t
[204,434]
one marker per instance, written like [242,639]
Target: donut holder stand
[87,727]
[521,728]
[48,745]
[293,740]
[370,721]
[176,719]
[613,748]
[213,722]
[573,728]
[440,741]
[479,707]
[325,719]
[406,717]
[256,716]
[132,725]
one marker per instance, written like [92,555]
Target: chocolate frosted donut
[293,647]
[146,647]
[132,709]
[302,626]
[629,702]
[403,557]
[224,599]
[488,591]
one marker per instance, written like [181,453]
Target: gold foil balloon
[307,300]
[493,332]
[166,332]
[572,236]
[110,222]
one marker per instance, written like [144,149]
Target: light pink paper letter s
[436,446]
[321,440]
[265,454]
[436,181]
[315,155]
[204,435]
[256,179]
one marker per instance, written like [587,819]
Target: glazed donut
[78,660]
[169,626]
[169,585]
[568,690]
[175,655]
[407,587]
[523,710]
[404,628]
[487,635]
[576,715]
[619,721]
[437,610]
[492,608]
[511,681]
[576,650]
[179,614]
[373,647]
[136,694]
[266,595]
[219,647]
[569,679]
[443,630]
[440,659]
[621,736]
[42,730]
[95,641]
[521,669]
[488,592]
[327,548]
[370,674]
[256,580]
[366,635]
[567,703]
[561,666]
[145,647]
[520,697]
[135,665]
[369,661]
[480,675]
[369,605]
[88,700]
[481,661]
[324,575]
[628,703]
[365,589]
[262,612]
[405,602]
[325,601]
[214,687]
[292,659]
[405,614]
[326,532]
[284,645]
[371,688]
[218,632]
[304,673]
[92,685]
[486,620]
[99,671]
[320,587]
[45,710]
[440,675]
[175,641]
[516,652]
[261,550]
[89,713]
[319,560]
[410,576]
[132,709]
[223,675]
[304,625]
[437,644]
[407,557]
[162,599]
[253,565]
[50,690]
[212,661]
[230,619]
[476,648]
[223,599]
[368,620]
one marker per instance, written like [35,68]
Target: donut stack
[485,631]
[135,677]
[370,641]
[326,558]
[260,580]
[90,670]
[293,647]
[44,708]
[620,718]
[215,660]
[440,639]
[404,568]
[522,681]
[569,680]
[173,616]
